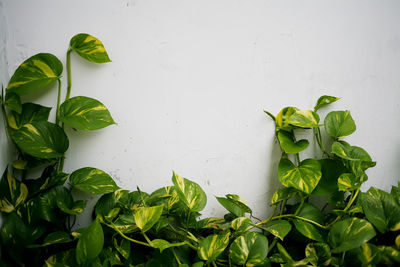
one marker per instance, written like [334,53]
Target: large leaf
[279,228]
[350,233]
[331,170]
[312,213]
[90,243]
[324,101]
[30,113]
[41,139]
[35,73]
[303,119]
[212,246]
[146,217]
[84,113]
[353,153]
[231,206]
[318,254]
[92,180]
[339,124]
[381,210]
[13,192]
[249,249]
[190,193]
[89,47]
[286,140]
[305,177]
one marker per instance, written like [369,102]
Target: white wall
[190,79]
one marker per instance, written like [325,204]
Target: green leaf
[339,124]
[350,233]
[212,246]
[210,223]
[30,113]
[282,117]
[241,223]
[303,119]
[35,73]
[124,248]
[305,177]
[239,202]
[279,228]
[348,182]
[13,192]
[162,244]
[353,153]
[282,194]
[250,249]
[90,243]
[41,139]
[318,254]
[366,255]
[324,101]
[108,206]
[54,238]
[89,47]
[307,229]
[13,102]
[286,140]
[395,192]
[230,206]
[381,210]
[146,217]
[65,258]
[390,255]
[331,170]
[84,113]
[190,193]
[92,180]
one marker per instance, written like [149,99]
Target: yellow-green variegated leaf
[162,244]
[13,102]
[241,223]
[212,246]
[84,113]
[279,228]
[90,243]
[282,194]
[345,151]
[231,206]
[35,73]
[282,117]
[54,238]
[13,192]
[309,230]
[210,223]
[305,177]
[287,143]
[239,201]
[303,119]
[189,193]
[30,112]
[339,124]
[92,180]
[89,47]
[324,101]
[348,182]
[249,249]
[146,217]
[41,139]
[365,255]
[319,254]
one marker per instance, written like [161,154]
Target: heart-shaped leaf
[345,151]
[13,102]
[231,206]
[212,246]
[30,112]
[278,228]
[241,223]
[35,73]
[283,194]
[339,124]
[282,118]
[89,47]
[190,193]
[303,119]
[146,217]
[324,101]
[348,182]
[312,213]
[84,113]
[90,243]
[249,249]
[162,244]
[305,177]
[319,254]
[366,255]
[286,140]
[92,180]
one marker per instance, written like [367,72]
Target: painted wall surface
[190,79]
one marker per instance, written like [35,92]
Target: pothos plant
[163,228]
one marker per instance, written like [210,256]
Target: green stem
[348,206]
[272,244]
[285,216]
[68,74]
[214,264]
[128,238]
[58,102]
[300,206]
[176,257]
[147,238]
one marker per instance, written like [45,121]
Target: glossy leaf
[303,119]
[324,101]
[282,118]
[286,140]
[348,182]
[190,193]
[305,177]
[41,139]
[146,217]
[279,228]
[241,223]
[89,47]
[92,180]
[30,113]
[239,202]
[345,151]
[212,246]
[13,102]
[162,244]
[283,194]
[331,170]
[308,229]
[13,192]
[84,113]
[350,233]
[90,243]
[35,73]
[249,249]
[230,206]
[339,124]
[318,254]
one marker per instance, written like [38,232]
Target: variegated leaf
[13,192]
[241,223]
[13,102]
[124,248]
[212,246]
[92,180]
[89,47]
[312,213]
[54,238]
[35,73]
[231,206]
[30,113]
[282,117]
[305,177]
[190,193]
[303,119]
[282,194]
[84,113]
[162,244]
[41,139]
[249,249]
[90,243]
[239,201]
[324,101]
[365,255]
[146,217]
[348,182]
[279,228]
[354,153]
[339,124]
[319,254]
[210,223]
[287,143]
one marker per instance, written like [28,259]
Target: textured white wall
[190,79]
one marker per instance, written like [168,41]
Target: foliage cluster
[164,228]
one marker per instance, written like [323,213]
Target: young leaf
[339,124]
[350,233]
[279,228]
[282,117]
[324,101]
[30,113]
[249,249]
[190,193]
[41,139]
[305,177]
[212,246]
[84,113]
[286,140]
[146,217]
[90,243]
[303,119]
[318,254]
[92,180]
[35,73]
[13,102]
[89,47]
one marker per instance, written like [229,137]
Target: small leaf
[250,249]
[282,194]
[286,140]
[13,102]
[190,193]
[92,180]
[162,244]
[278,228]
[270,115]
[348,182]
[90,243]
[324,101]
[210,223]
[146,217]
[212,246]
[89,47]
[303,119]
[304,178]
[339,124]
[318,254]
[241,223]
[41,139]
[84,113]
[35,73]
